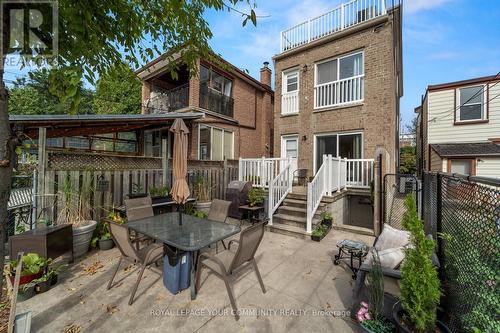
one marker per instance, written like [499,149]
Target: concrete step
[298,221]
[354,229]
[303,197]
[297,211]
[289,230]
[300,203]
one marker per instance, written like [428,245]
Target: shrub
[420,291]
[256,196]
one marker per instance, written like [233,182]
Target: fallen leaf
[328,306]
[73,328]
[93,268]
[128,267]
[310,271]
[71,289]
[111,309]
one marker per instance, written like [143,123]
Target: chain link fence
[464,214]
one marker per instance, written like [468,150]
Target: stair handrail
[279,188]
[316,189]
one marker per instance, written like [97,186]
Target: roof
[455,84]
[156,65]
[467,149]
[89,124]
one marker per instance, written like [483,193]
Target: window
[215,143]
[215,81]
[462,166]
[153,141]
[471,101]
[339,80]
[291,81]
[344,145]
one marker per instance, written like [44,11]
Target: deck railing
[260,171]
[279,187]
[290,103]
[359,173]
[339,92]
[342,17]
[170,100]
[329,178]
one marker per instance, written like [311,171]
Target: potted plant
[116,217]
[370,316]
[33,266]
[78,211]
[102,237]
[201,191]
[256,197]
[420,286]
[326,219]
[159,194]
[319,232]
[137,191]
[47,280]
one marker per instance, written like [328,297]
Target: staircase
[290,217]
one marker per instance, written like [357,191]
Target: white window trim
[484,115]
[338,134]
[284,88]
[362,52]
[289,136]
[211,140]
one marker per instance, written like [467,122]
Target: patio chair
[301,175]
[226,263]
[219,211]
[145,256]
[136,209]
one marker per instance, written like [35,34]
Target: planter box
[42,287]
[23,295]
[317,238]
[26,278]
[327,223]
[162,199]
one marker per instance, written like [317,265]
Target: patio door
[290,148]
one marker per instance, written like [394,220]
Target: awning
[482,149]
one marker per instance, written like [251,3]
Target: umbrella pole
[180,208]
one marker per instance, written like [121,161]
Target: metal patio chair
[218,212]
[224,264]
[145,256]
[139,208]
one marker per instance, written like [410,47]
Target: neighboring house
[459,128]
[407,140]
[338,85]
[237,108]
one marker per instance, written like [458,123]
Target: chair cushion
[392,238]
[225,256]
[389,258]
[156,253]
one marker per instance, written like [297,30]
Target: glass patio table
[184,232]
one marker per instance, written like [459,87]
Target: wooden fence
[121,176]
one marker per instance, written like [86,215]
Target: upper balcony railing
[342,17]
[168,101]
[215,101]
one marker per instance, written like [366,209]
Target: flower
[364,304]
[367,316]
[361,318]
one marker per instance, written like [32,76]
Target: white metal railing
[279,188]
[339,92]
[359,173]
[260,171]
[290,103]
[329,178]
[342,17]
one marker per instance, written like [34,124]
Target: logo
[29,28]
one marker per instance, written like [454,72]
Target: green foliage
[137,188]
[101,232]
[408,160]
[326,215]
[379,326]
[200,214]
[34,95]
[376,283]
[320,230]
[33,263]
[160,191]
[116,217]
[420,290]
[118,91]
[256,196]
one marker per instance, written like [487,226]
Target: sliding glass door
[347,145]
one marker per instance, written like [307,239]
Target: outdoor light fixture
[304,69]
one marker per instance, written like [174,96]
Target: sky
[443,40]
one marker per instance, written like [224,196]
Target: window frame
[484,105]
[284,85]
[224,130]
[338,135]
[472,161]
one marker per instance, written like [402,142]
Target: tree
[408,160]
[118,91]
[32,96]
[94,36]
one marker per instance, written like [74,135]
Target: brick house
[237,108]
[458,128]
[337,92]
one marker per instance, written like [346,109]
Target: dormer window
[471,104]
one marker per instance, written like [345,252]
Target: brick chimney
[265,74]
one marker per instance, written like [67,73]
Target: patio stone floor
[303,290]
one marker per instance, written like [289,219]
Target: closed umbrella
[180,189]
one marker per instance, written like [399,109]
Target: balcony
[339,92]
[340,18]
[215,101]
[290,103]
[170,100]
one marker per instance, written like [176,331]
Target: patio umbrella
[180,189]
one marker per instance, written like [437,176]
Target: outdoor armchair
[136,209]
[224,264]
[144,257]
[219,211]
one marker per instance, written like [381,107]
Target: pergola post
[41,168]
